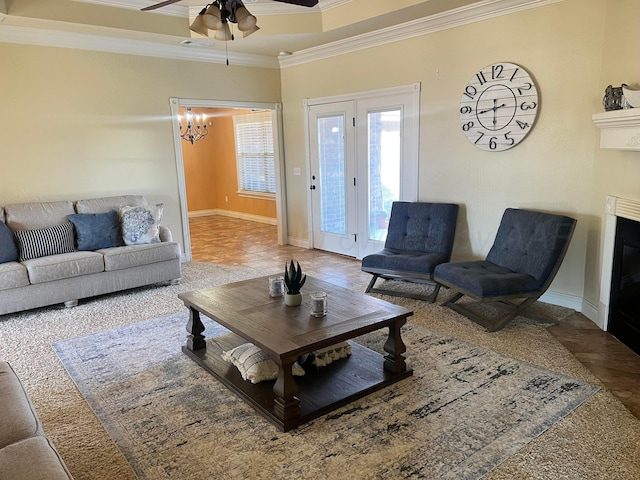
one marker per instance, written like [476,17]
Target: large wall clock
[498,107]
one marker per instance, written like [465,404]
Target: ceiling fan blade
[302,3]
[159,5]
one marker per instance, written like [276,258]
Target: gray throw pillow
[8,248]
[97,230]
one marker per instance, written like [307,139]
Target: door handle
[312,187]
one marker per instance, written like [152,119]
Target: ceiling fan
[218,14]
[302,3]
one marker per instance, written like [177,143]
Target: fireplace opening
[624,307]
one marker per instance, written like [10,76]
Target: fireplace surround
[620,282]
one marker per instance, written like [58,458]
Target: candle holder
[318,304]
[276,285]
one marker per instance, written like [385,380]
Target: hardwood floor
[230,241]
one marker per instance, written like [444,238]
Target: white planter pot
[292,300]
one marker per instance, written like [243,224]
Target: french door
[363,156]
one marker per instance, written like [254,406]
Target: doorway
[363,156]
[223,126]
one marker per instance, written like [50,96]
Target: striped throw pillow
[45,241]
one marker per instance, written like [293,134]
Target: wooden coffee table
[246,309]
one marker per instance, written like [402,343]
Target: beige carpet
[600,440]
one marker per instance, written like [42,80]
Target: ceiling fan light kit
[223,34]
[218,14]
[211,18]
[199,26]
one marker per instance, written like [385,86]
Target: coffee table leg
[395,347]
[195,339]
[286,405]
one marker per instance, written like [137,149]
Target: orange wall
[210,169]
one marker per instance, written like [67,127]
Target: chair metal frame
[402,276]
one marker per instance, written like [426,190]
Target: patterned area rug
[465,410]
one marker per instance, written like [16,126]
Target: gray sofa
[25,452]
[71,273]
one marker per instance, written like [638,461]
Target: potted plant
[293,281]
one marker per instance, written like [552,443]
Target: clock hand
[494,108]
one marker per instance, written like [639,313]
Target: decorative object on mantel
[196,127]
[498,107]
[613,98]
[293,281]
[631,95]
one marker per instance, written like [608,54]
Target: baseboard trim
[229,213]
[562,300]
[298,242]
[578,304]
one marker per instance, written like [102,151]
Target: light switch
[296,171]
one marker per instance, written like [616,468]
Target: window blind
[254,152]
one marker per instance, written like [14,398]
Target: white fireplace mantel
[619,129]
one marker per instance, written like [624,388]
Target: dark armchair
[526,255]
[420,236]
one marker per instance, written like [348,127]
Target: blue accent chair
[419,237]
[526,255]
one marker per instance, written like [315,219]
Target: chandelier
[217,15]
[195,128]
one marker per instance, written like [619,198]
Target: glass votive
[318,304]
[276,285]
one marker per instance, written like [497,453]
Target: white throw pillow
[141,225]
[254,364]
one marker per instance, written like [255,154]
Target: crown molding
[83,41]
[477,12]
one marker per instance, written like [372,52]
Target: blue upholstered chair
[419,237]
[527,252]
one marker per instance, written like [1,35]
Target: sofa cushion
[97,230]
[33,458]
[32,216]
[104,204]
[135,255]
[19,419]
[140,225]
[45,241]
[8,248]
[13,275]
[67,265]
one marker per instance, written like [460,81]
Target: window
[254,153]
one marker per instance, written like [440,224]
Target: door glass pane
[333,217]
[384,168]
